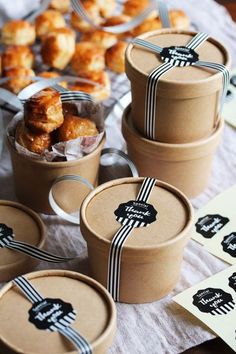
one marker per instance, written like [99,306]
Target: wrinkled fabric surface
[163,326]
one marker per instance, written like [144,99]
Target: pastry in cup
[104,39]
[16,56]
[34,142]
[62,6]
[47,21]
[43,111]
[75,127]
[92,10]
[99,92]
[133,8]
[88,58]
[18,78]
[106,7]
[18,32]
[115,57]
[58,47]
[52,75]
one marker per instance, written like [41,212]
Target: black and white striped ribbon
[115,253]
[157,73]
[154,5]
[224,309]
[62,326]
[7,241]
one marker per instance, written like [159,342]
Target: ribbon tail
[226,78]
[163,14]
[150,101]
[78,341]
[37,253]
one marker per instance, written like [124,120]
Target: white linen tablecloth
[163,326]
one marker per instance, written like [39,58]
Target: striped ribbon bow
[170,62]
[115,253]
[61,324]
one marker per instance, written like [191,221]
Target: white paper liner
[68,150]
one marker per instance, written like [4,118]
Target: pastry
[104,39]
[58,47]
[118,20]
[179,19]
[147,26]
[15,56]
[106,7]
[115,57]
[133,8]
[75,127]
[99,92]
[52,75]
[19,78]
[43,111]
[92,10]
[47,21]
[18,32]
[34,142]
[62,6]
[88,57]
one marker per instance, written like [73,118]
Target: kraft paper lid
[95,319]
[140,61]
[174,213]
[27,227]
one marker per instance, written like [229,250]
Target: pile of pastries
[75,44]
[46,123]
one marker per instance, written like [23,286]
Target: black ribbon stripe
[115,253]
[62,325]
[35,252]
[7,240]
[28,289]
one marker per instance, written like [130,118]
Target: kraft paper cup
[27,227]
[33,180]
[151,256]
[186,166]
[95,320]
[188,98]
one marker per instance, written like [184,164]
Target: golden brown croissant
[75,127]
[18,32]
[43,111]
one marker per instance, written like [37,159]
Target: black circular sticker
[136,213]
[214,301]
[232,281]
[6,235]
[179,56]
[51,314]
[229,244]
[209,225]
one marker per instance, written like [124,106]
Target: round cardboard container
[33,180]
[186,166]
[95,320]
[187,98]
[27,227]
[151,256]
